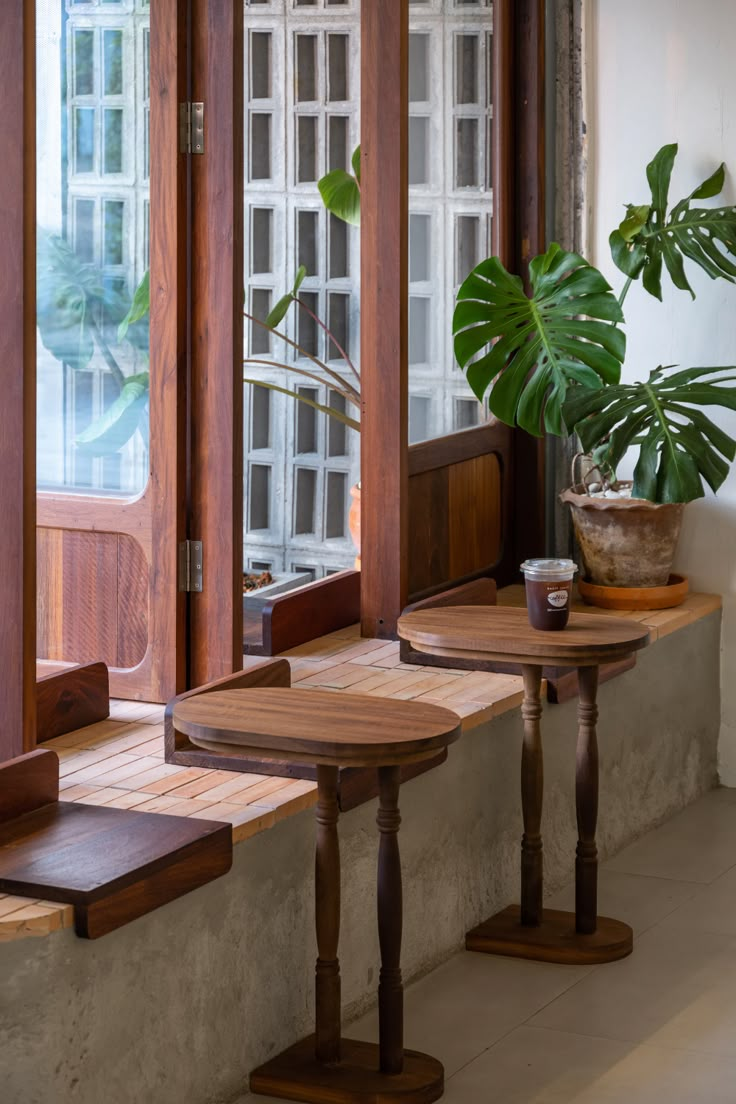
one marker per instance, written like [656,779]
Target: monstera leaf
[649,237]
[122,418]
[679,445]
[340,191]
[66,293]
[523,352]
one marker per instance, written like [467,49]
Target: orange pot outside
[354,522]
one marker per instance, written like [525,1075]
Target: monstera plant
[549,360]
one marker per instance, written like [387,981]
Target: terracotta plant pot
[625,542]
[354,521]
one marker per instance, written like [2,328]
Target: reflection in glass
[92,210]
[450,198]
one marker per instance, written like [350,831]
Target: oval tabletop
[316,726]
[500,632]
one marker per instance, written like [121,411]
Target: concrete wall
[663,71]
[180,1005]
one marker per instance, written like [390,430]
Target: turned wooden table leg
[327,918]
[390,988]
[532,787]
[586,802]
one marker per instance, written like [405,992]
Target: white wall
[663,71]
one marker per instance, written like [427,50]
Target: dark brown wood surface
[532,790]
[28,782]
[554,940]
[112,864]
[327,919]
[356,1079]
[384,126]
[314,610]
[317,726]
[502,631]
[390,920]
[18,381]
[71,698]
[216,401]
[502,141]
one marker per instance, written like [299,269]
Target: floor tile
[696,845]
[470,1002]
[675,991]
[713,909]
[638,900]
[534,1066]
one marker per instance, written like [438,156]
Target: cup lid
[562,569]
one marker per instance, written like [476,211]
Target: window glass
[92,211]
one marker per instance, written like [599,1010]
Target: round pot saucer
[635,598]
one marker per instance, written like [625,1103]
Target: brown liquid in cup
[548,604]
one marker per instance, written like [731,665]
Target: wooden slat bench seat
[112,865]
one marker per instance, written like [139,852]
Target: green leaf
[355,162]
[278,313]
[117,425]
[704,236]
[340,415]
[139,308]
[679,445]
[636,217]
[301,272]
[340,193]
[521,353]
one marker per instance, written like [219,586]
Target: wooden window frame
[519,233]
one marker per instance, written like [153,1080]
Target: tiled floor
[658,1027]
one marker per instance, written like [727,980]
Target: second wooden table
[495,632]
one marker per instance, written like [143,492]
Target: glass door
[110,505]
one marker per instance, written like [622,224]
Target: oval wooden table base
[333,731]
[528,931]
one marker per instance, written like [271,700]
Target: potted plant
[340,192]
[550,361]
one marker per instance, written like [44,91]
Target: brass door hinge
[190,565]
[191,128]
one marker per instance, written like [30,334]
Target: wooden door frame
[518,167]
[216,351]
[18,380]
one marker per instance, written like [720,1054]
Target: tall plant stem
[315,360]
[104,348]
[625,290]
[331,336]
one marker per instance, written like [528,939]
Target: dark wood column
[384,310]
[18,381]
[216,615]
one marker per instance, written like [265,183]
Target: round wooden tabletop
[500,632]
[316,726]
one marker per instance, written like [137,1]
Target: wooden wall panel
[455,522]
[92,598]
[18,380]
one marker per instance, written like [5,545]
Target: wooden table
[484,633]
[336,730]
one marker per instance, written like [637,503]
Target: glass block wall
[302,81]
[450,198]
[93,194]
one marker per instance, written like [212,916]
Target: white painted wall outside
[662,71]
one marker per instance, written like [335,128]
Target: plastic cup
[548,591]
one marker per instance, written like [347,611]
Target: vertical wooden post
[216,403]
[532,790]
[529,238]
[390,920]
[384,307]
[168,234]
[327,919]
[18,381]
[586,804]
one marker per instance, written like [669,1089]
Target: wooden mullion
[168,318]
[18,380]
[384,314]
[503,131]
[529,239]
[216,615]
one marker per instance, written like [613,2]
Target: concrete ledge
[183,1003]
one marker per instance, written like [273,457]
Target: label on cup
[558,598]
